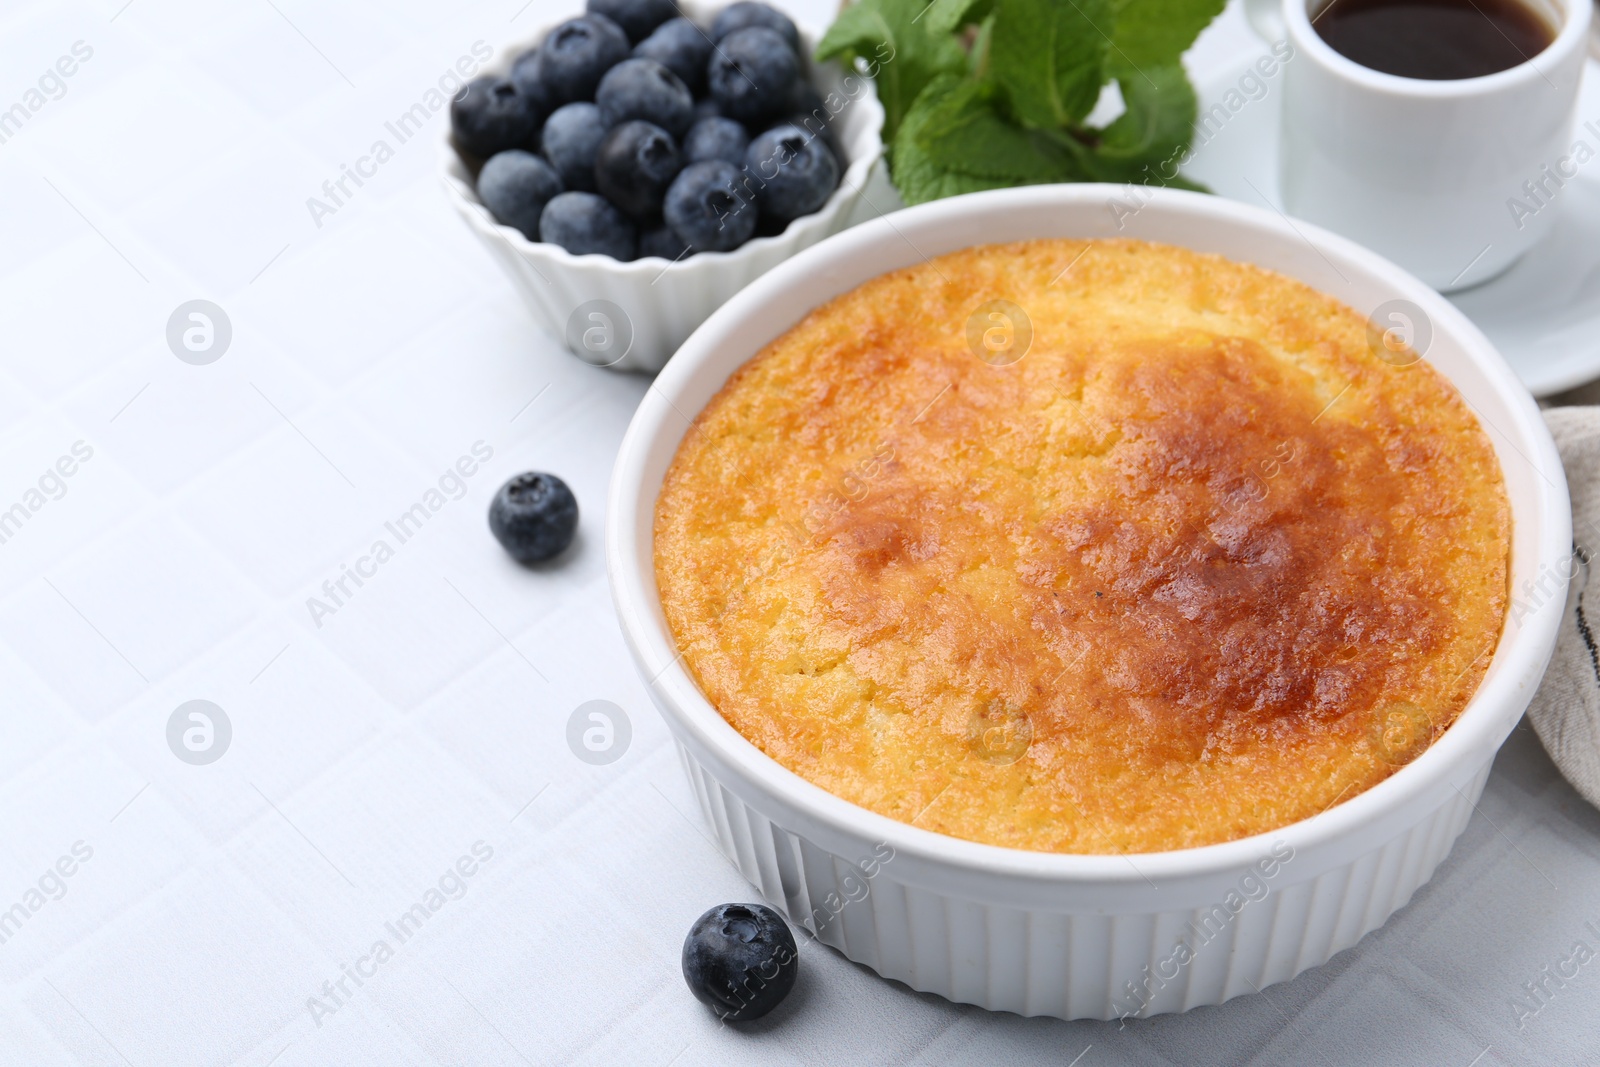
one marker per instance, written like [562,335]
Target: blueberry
[516,185]
[809,111]
[768,227]
[663,243]
[534,516]
[635,164]
[644,89]
[525,76]
[636,17]
[752,73]
[707,208]
[572,136]
[491,115]
[583,223]
[805,99]
[741,960]
[745,14]
[576,54]
[681,47]
[715,138]
[793,172]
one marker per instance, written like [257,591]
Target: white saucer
[1543,314]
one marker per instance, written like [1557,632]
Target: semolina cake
[1091,547]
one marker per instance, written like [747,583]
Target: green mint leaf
[948,16]
[859,29]
[1158,120]
[1050,55]
[900,53]
[1152,33]
[1149,140]
[961,130]
[919,178]
[978,57]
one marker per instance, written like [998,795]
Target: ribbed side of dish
[663,304]
[1074,965]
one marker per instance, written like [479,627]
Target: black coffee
[1439,40]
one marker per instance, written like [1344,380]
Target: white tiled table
[426,716]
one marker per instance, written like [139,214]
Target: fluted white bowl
[1069,935]
[660,303]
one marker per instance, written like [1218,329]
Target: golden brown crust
[1199,565]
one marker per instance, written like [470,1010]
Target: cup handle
[1266,18]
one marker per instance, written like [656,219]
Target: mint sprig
[917,173]
[1050,56]
[886,38]
[986,94]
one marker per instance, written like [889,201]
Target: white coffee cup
[1453,180]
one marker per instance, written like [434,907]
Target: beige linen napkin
[1566,710]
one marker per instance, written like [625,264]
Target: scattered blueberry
[715,138]
[534,516]
[741,960]
[681,47]
[584,222]
[752,73]
[576,54]
[644,89]
[704,206]
[516,185]
[663,243]
[794,173]
[636,163]
[572,136]
[745,14]
[636,17]
[490,115]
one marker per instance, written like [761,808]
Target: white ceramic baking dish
[1065,935]
[661,302]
